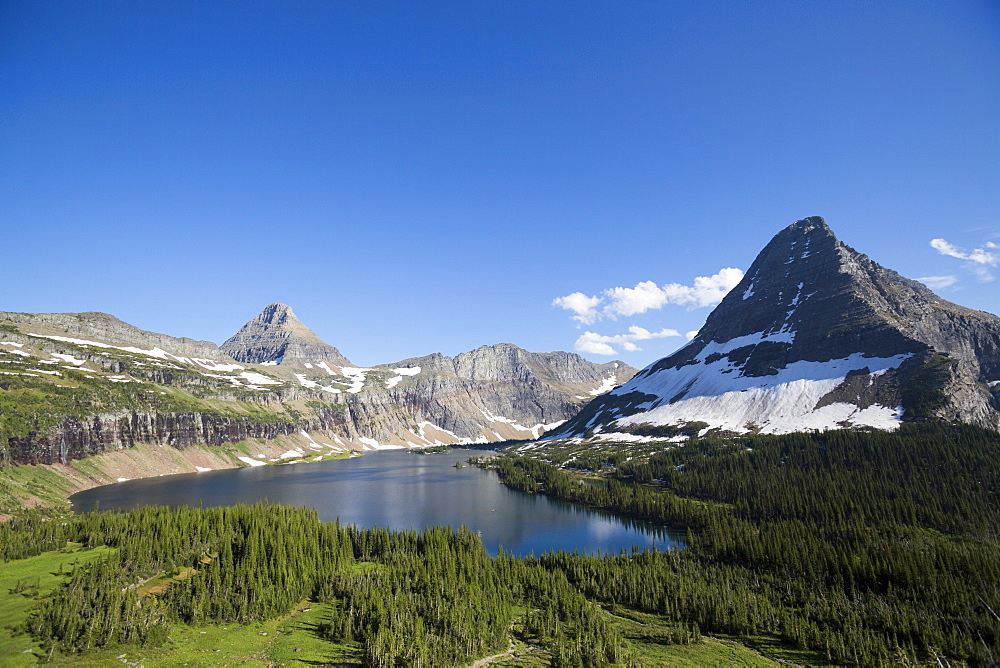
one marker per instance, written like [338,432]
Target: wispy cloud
[938,282]
[979,259]
[598,344]
[647,296]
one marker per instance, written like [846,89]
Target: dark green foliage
[435,598]
[98,608]
[923,393]
[868,549]
[864,546]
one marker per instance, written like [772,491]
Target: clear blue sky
[417,177]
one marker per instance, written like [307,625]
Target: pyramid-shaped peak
[280,316]
[277,335]
[810,224]
[812,232]
[277,313]
[817,336]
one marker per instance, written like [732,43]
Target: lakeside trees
[865,548]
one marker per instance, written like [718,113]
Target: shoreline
[26,486]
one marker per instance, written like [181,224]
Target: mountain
[493,393]
[77,385]
[106,329]
[815,336]
[276,335]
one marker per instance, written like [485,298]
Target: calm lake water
[399,490]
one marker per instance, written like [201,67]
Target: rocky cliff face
[817,336]
[277,335]
[493,393]
[79,438]
[75,385]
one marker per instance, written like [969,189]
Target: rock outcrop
[107,329]
[493,393]
[817,336]
[77,385]
[277,335]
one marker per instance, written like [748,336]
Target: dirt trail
[490,659]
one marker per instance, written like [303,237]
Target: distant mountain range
[816,336]
[76,385]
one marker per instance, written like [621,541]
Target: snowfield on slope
[718,394]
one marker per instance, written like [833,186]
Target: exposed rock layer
[818,335]
[277,335]
[75,385]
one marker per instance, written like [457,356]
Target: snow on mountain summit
[816,336]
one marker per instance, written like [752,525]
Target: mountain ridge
[77,385]
[817,335]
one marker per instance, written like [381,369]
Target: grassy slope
[44,571]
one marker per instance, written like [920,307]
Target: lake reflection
[399,490]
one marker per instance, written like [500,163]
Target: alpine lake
[400,490]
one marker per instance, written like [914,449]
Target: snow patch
[69,358]
[713,347]
[305,382]
[372,444]
[775,404]
[159,353]
[624,437]
[259,378]
[50,373]
[251,462]
[408,371]
[357,377]
[606,386]
[202,469]
[748,293]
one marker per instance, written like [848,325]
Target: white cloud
[978,255]
[647,295]
[979,258]
[598,344]
[690,335]
[632,301]
[938,282]
[580,304]
[590,342]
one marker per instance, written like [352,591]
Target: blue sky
[431,177]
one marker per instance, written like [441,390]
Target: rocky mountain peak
[817,335]
[277,335]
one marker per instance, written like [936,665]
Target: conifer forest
[856,548]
